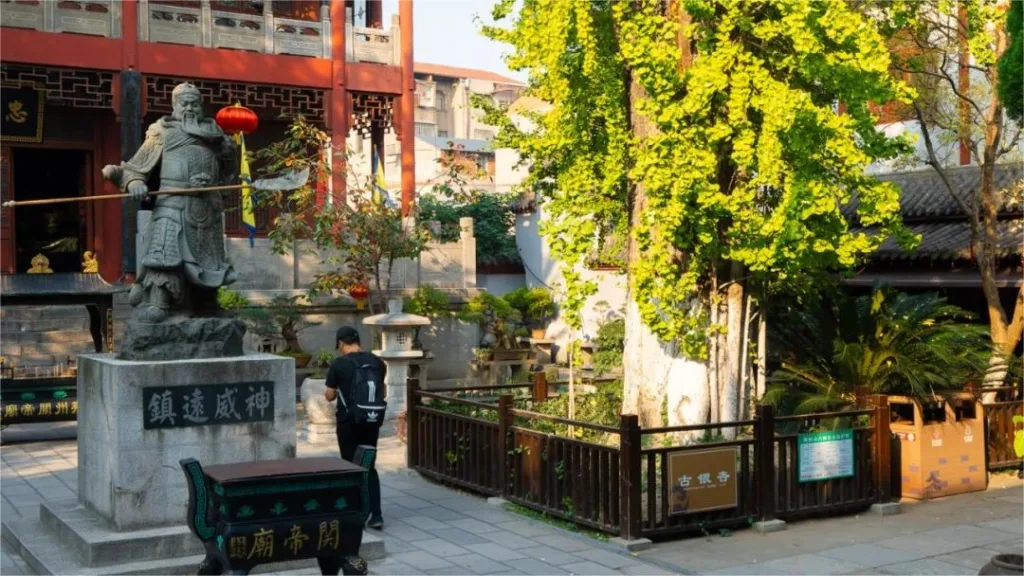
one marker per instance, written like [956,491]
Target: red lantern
[360,293]
[237,118]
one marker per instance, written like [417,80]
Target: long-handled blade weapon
[287,181]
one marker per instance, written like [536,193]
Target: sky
[445,33]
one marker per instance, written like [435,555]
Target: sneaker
[376,522]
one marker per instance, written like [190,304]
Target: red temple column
[339,99]
[407,108]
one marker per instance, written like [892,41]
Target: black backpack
[367,405]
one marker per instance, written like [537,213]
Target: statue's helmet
[186,89]
[182,89]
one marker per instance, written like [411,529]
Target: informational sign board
[206,405]
[702,480]
[825,455]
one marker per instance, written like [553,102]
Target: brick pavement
[428,529]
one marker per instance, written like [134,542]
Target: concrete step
[47,553]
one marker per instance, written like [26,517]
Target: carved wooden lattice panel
[268,101]
[71,87]
[372,110]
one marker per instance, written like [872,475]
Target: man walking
[356,380]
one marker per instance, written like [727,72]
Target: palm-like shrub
[888,341]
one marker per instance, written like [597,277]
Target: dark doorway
[56,231]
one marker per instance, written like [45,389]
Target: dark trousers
[351,435]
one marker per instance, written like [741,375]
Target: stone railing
[211,28]
[92,17]
[375,45]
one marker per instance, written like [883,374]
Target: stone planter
[1004,564]
[321,419]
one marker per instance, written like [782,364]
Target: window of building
[442,133]
[481,162]
[426,130]
[483,134]
[442,101]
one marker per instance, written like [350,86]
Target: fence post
[629,477]
[883,448]
[412,422]
[540,387]
[764,440]
[504,422]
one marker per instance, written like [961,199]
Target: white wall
[543,270]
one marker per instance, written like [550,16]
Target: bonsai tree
[495,316]
[535,306]
[888,341]
[431,302]
[283,319]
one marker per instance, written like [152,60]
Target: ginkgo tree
[708,131]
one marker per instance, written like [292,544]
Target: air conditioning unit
[426,94]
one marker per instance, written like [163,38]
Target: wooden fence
[1000,428]
[623,486]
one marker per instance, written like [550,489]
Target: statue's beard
[190,120]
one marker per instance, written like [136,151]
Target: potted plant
[321,362]
[916,349]
[496,317]
[283,319]
[536,307]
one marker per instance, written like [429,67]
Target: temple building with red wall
[81,80]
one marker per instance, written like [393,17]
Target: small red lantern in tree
[360,293]
[237,118]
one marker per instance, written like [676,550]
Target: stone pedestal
[320,424]
[128,473]
[132,495]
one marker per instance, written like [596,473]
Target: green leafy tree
[493,223]
[1011,64]
[888,341]
[358,239]
[949,112]
[708,130]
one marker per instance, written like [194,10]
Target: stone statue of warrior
[183,261]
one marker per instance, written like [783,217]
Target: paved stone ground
[428,529]
[950,536]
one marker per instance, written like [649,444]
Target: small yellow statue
[89,263]
[40,265]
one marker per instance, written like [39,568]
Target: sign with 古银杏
[207,404]
[825,455]
[702,480]
[21,115]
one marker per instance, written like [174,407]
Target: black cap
[347,335]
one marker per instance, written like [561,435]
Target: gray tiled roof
[952,241]
[928,209]
[923,195]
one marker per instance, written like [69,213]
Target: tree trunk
[645,358]
[688,399]
[646,363]
[745,368]
[762,351]
[730,354]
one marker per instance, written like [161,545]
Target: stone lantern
[398,329]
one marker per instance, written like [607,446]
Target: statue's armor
[188,230]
